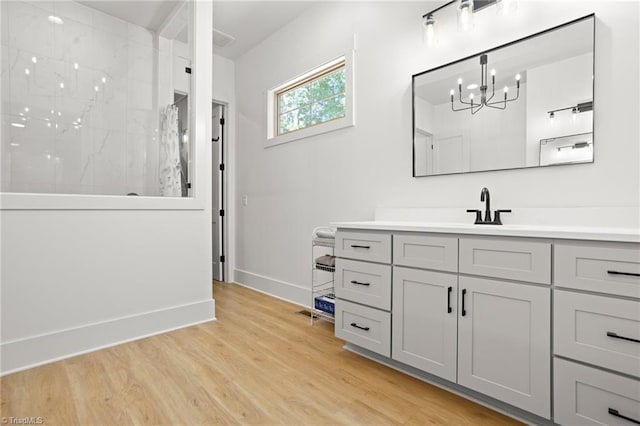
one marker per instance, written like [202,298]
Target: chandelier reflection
[485,99]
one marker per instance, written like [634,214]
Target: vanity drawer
[363,282]
[586,396]
[604,267]
[371,246]
[515,259]
[363,326]
[426,251]
[582,322]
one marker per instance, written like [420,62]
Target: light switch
[245,200]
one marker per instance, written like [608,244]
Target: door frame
[222,188]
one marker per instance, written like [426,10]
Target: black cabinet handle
[358,246]
[631,274]
[353,324]
[616,413]
[615,336]
[359,283]
[463,310]
[449,290]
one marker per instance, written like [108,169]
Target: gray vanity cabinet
[425,326]
[504,342]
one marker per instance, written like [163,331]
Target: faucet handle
[497,220]
[478,215]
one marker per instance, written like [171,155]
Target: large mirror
[525,104]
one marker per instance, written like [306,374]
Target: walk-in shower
[93,103]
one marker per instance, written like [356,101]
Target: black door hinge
[221,167]
[188,185]
[222,259]
[222,121]
[215,139]
[222,213]
[187,70]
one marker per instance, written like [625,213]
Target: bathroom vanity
[540,323]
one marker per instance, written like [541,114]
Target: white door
[448,155]
[425,320]
[504,342]
[216,195]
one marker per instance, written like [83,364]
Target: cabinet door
[504,342]
[425,320]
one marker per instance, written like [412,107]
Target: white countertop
[533,231]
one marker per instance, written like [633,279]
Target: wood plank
[259,363]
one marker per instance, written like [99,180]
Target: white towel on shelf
[325,233]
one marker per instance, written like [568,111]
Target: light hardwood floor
[259,363]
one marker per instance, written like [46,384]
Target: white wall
[346,174]
[80,272]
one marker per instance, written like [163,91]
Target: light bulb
[518,77]
[452,92]
[34,59]
[104,80]
[471,96]
[459,81]
[27,71]
[506,89]
[96,88]
[493,72]
[430,30]
[506,7]
[465,15]
[75,65]
[26,109]
[62,85]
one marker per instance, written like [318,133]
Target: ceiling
[250,22]
[246,22]
[148,13]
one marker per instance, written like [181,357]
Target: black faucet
[484,196]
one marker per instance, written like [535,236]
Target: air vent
[221,39]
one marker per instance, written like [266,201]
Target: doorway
[217,187]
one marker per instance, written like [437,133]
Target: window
[314,100]
[318,101]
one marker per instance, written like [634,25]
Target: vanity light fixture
[474,107]
[577,145]
[465,10]
[581,107]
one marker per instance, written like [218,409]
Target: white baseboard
[33,351]
[279,289]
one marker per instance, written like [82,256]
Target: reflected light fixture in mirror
[465,10]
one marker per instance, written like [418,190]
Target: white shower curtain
[170,184]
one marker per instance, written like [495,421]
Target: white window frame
[273,138]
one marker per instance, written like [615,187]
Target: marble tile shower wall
[81,94]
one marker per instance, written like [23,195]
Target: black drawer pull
[353,324]
[615,336]
[357,246]
[359,283]
[449,290]
[463,311]
[616,413]
[630,274]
